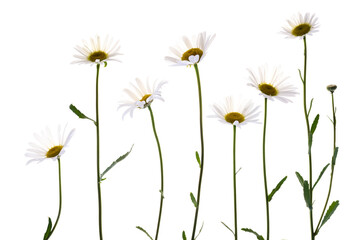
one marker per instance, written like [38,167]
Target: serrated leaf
[116,162]
[258,236]
[307,194]
[228,228]
[321,173]
[314,124]
[193,199]
[278,186]
[330,212]
[144,231]
[300,178]
[183,235]
[334,156]
[80,114]
[48,230]
[198,158]
[202,225]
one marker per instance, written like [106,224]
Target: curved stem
[202,152]
[98,151]
[264,172]
[161,170]
[234,183]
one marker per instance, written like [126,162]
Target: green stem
[202,152]
[161,170]
[308,134]
[264,172]
[234,183]
[98,151]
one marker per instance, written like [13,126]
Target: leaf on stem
[202,225]
[334,156]
[321,173]
[330,212]
[307,194]
[116,162]
[228,228]
[198,158]
[311,102]
[314,124]
[301,75]
[238,171]
[258,236]
[183,235]
[48,230]
[278,186]
[80,114]
[193,199]
[300,178]
[144,231]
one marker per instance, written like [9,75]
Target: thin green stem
[264,172]
[202,152]
[161,170]
[98,150]
[234,183]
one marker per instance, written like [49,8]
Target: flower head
[272,84]
[331,88]
[191,52]
[47,148]
[142,96]
[242,114]
[301,25]
[97,53]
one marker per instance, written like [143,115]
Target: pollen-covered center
[234,116]
[301,29]
[54,151]
[268,89]
[191,52]
[98,55]
[146,96]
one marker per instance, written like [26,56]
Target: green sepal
[80,114]
[321,173]
[198,158]
[116,162]
[193,199]
[334,156]
[278,186]
[330,212]
[228,228]
[306,189]
[48,230]
[258,236]
[144,231]
[300,178]
[183,235]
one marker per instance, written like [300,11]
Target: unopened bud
[331,88]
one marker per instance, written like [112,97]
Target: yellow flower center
[234,116]
[268,89]
[54,151]
[97,55]
[192,52]
[301,29]
[146,96]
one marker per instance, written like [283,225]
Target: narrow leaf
[334,156]
[307,194]
[238,171]
[278,186]
[48,230]
[321,173]
[144,231]
[301,76]
[198,158]
[228,228]
[330,212]
[301,180]
[116,162]
[80,114]
[202,225]
[314,124]
[311,102]
[183,235]
[259,237]
[193,199]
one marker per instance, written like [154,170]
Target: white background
[38,83]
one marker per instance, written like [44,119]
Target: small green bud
[331,88]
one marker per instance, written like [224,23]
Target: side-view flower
[300,26]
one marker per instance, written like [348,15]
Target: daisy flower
[272,84]
[239,115]
[191,52]
[142,96]
[47,148]
[96,53]
[301,25]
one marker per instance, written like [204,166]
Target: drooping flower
[272,84]
[301,25]
[244,112]
[47,147]
[142,96]
[191,52]
[97,52]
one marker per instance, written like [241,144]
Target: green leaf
[301,180]
[311,102]
[80,114]
[321,173]
[314,124]
[259,237]
[237,171]
[307,194]
[198,158]
[278,186]
[202,225]
[183,235]
[228,228]
[330,212]
[334,156]
[301,75]
[144,231]
[193,199]
[116,162]
[48,230]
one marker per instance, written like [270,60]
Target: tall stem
[202,152]
[98,151]
[234,183]
[161,170]
[264,172]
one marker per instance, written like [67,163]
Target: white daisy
[191,52]
[142,96]
[47,148]
[243,113]
[272,84]
[97,53]
[301,25]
